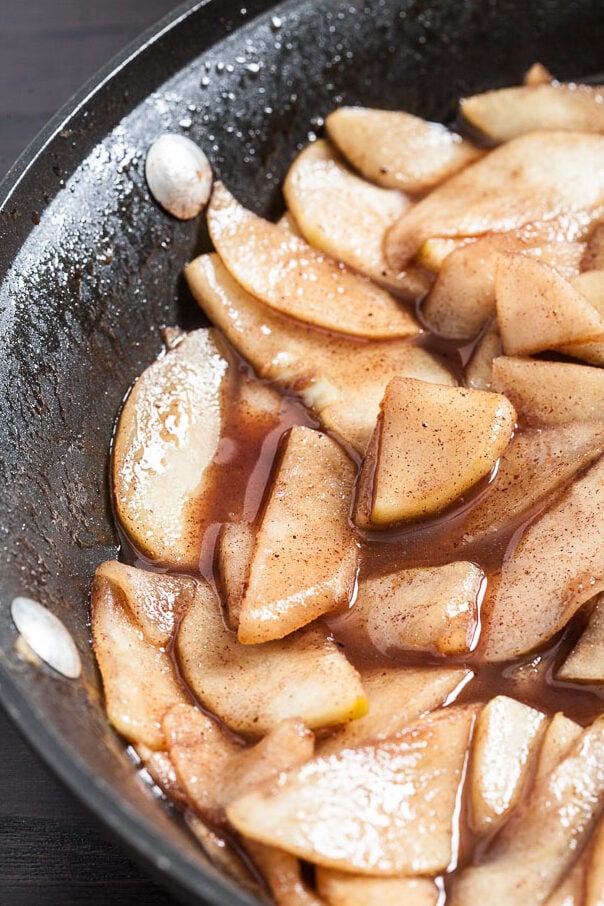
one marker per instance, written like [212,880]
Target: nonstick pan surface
[90,270]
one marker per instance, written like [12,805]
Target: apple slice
[585,663]
[560,736]
[594,868]
[386,809]
[347,217]
[506,738]
[535,466]
[213,768]
[139,679]
[479,370]
[398,150]
[233,554]
[507,189]
[287,222]
[594,253]
[432,443]
[338,888]
[537,75]
[222,854]
[295,279]
[396,697]
[306,555]
[538,310]
[463,298]
[161,771]
[427,609]
[561,553]
[550,393]
[283,875]
[591,285]
[166,438]
[570,891]
[342,380]
[507,112]
[547,830]
[253,688]
[433,252]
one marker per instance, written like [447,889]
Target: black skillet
[90,269]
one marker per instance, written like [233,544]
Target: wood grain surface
[52,851]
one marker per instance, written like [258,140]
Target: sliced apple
[347,217]
[591,285]
[291,277]
[306,555]
[561,554]
[287,221]
[253,688]
[507,189]
[386,809]
[560,736]
[433,252]
[432,443]
[233,554]
[479,370]
[338,888]
[398,150]
[547,830]
[427,609]
[224,855]
[139,679]
[166,438]
[594,253]
[550,393]
[342,380]
[507,112]
[570,891]
[283,874]
[585,663]
[161,771]
[396,697]
[213,768]
[506,738]
[594,868]
[538,74]
[538,310]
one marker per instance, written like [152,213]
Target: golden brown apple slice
[547,830]
[479,370]
[287,222]
[306,555]
[224,855]
[347,217]
[431,444]
[291,277]
[506,738]
[550,393]
[535,466]
[283,875]
[560,736]
[479,200]
[337,888]
[342,380]
[538,74]
[538,310]
[433,252]
[253,688]
[507,112]
[386,809]
[396,697]
[463,297]
[233,554]
[398,150]
[585,663]
[560,553]
[166,438]
[139,679]
[427,609]
[214,768]
[591,285]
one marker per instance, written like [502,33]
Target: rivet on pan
[47,637]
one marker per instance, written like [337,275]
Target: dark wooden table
[52,852]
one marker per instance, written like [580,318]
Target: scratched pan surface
[90,269]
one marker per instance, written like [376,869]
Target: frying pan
[90,269]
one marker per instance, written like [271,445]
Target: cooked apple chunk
[478,200]
[213,768]
[585,663]
[386,809]
[290,276]
[538,310]
[338,888]
[340,379]
[233,555]
[251,688]
[427,609]
[224,855]
[560,736]
[562,555]
[479,370]
[396,697]
[306,556]
[139,680]
[282,873]
[547,830]
[396,149]
[591,285]
[347,217]
[506,738]
[432,443]
[538,74]
[166,438]
[507,112]
[550,393]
